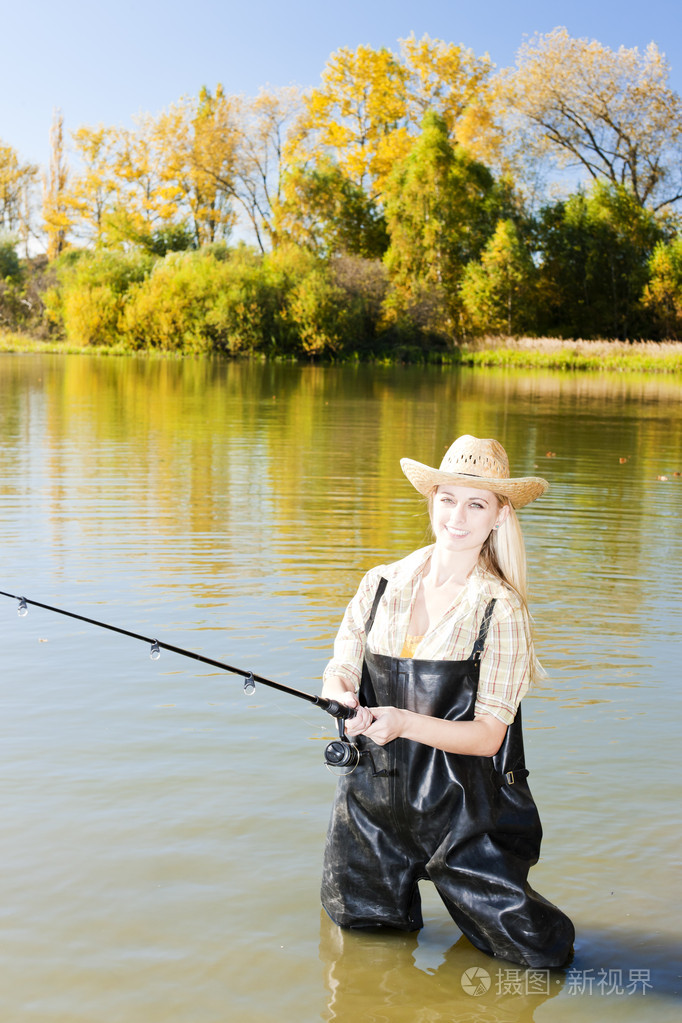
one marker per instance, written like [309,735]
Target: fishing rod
[333,707]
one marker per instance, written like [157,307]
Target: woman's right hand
[361,720]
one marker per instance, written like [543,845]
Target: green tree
[593,253]
[663,294]
[498,293]
[325,211]
[10,266]
[441,207]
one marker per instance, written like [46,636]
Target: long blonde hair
[504,555]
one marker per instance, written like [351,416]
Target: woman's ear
[502,516]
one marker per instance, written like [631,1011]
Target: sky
[100,62]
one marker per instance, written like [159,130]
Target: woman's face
[463,517]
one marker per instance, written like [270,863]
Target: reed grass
[530,353]
[554,353]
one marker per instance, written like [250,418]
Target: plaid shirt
[505,664]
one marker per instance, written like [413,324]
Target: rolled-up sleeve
[505,665]
[349,645]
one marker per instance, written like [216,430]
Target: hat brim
[520,491]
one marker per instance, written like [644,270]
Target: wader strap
[511,777]
[377,597]
[483,632]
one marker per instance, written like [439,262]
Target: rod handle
[336,709]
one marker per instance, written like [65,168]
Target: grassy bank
[552,353]
[529,353]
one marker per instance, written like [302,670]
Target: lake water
[162,831]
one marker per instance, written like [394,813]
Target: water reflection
[376,977]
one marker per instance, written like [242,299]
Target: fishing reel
[342,753]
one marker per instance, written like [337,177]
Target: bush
[196,301]
[89,299]
[10,267]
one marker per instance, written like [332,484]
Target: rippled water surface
[162,831]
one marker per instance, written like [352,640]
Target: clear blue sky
[105,62]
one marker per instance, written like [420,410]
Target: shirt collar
[480,583]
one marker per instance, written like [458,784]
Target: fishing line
[333,707]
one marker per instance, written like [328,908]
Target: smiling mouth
[457,532]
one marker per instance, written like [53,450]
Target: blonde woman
[434,654]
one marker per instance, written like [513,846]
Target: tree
[593,254]
[358,114]
[57,215]
[440,208]
[17,181]
[370,105]
[453,82]
[9,261]
[498,292]
[93,194]
[225,151]
[323,210]
[148,195]
[663,293]
[612,113]
[197,141]
[265,125]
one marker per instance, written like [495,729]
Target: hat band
[475,476]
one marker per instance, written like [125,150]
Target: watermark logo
[476,981]
[513,980]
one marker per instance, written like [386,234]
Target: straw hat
[472,462]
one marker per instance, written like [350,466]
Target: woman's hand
[361,720]
[481,737]
[387,724]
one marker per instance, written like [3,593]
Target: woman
[435,653]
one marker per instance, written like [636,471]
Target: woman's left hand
[387,725]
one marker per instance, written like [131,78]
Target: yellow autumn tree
[225,154]
[370,105]
[358,114]
[612,112]
[17,180]
[148,198]
[451,81]
[197,142]
[92,194]
[57,213]
[663,293]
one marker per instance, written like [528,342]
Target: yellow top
[410,645]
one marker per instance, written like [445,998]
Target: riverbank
[531,353]
[553,353]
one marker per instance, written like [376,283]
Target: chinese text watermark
[513,980]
